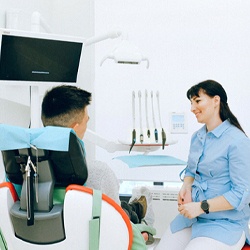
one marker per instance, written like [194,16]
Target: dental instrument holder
[147,144]
[123,144]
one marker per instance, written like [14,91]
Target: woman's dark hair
[213,88]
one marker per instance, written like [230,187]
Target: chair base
[48,227]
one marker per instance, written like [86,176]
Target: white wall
[186,42]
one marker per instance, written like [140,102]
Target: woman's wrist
[188,182]
[187,186]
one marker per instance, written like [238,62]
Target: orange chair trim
[112,203]
[11,188]
[246,247]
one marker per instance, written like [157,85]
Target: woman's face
[205,108]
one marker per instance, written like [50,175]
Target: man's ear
[74,125]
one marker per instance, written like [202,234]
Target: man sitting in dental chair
[66,106]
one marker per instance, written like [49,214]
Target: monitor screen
[27,58]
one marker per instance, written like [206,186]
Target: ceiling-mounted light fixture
[126,53]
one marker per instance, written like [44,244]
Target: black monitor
[35,57]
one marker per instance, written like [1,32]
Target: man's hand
[145,236]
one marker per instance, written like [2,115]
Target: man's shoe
[140,206]
[140,191]
[130,212]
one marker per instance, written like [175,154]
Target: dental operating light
[126,53]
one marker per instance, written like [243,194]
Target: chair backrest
[35,218]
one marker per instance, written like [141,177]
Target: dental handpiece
[163,134]
[133,117]
[164,138]
[140,114]
[153,115]
[146,109]
[133,140]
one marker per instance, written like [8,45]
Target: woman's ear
[216,100]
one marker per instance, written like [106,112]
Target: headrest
[59,146]
[70,167]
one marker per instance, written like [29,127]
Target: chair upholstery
[33,221]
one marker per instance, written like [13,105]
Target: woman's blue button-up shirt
[219,162]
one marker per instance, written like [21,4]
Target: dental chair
[87,219]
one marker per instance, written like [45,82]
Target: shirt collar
[217,132]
